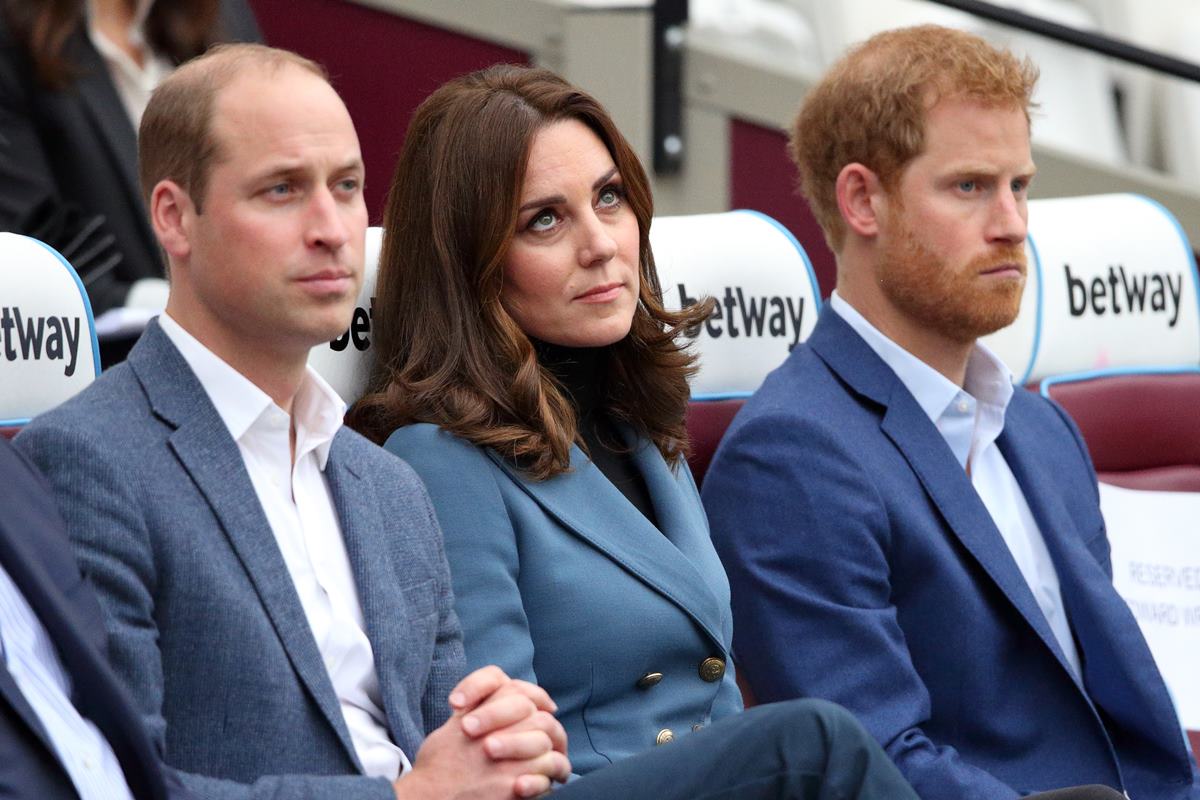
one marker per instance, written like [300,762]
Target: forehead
[280,112]
[566,150]
[963,133]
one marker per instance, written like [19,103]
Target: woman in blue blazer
[527,370]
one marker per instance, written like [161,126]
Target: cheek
[532,278]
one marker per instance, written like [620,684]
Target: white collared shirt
[35,667]
[134,82]
[970,419]
[300,510]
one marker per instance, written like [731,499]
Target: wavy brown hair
[446,350]
[178,29]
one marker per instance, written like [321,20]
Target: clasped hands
[501,741]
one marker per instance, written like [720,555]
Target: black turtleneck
[581,371]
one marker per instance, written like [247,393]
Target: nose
[597,246]
[327,225]
[1009,219]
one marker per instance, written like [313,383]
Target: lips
[1006,269]
[328,280]
[602,293]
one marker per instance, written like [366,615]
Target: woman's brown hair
[447,352]
[177,29]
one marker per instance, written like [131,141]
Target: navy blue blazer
[35,553]
[205,625]
[866,570]
[563,582]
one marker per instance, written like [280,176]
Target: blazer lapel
[587,504]
[1119,672]
[211,456]
[946,483]
[383,611]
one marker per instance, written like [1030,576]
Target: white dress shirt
[35,667]
[300,510]
[134,82]
[970,419]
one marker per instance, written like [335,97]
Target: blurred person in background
[75,76]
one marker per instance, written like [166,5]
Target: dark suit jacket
[68,164]
[564,583]
[35,553]
[205,624]
[865,569]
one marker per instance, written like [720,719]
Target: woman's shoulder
[424,444]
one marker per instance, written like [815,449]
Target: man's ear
[171,214]
[859,192]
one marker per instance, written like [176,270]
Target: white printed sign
[1156,569]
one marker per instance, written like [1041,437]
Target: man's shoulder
[111,408]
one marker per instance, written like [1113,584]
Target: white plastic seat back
[766,292]
[48,349]
[345,362]
[1112,283]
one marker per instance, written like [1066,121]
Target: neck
[113,18]
[278,374]
[579,370]
[946,356]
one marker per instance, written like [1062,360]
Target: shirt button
[963,406]
[88,763]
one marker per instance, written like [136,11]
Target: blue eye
[348,185]
[610,196]
[543,220]
[967,186]
[1019,185]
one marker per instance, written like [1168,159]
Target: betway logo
[1155,292]
[763,315]
[37,337]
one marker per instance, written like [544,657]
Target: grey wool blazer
[205,625]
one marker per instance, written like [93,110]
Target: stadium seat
[1119,349]
[767,301]
[48,349]
[1112,284]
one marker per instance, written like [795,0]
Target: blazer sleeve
[805,538]
[112,543]
[481,546]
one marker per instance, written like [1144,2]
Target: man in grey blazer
[275,588]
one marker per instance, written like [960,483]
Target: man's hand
[502,741]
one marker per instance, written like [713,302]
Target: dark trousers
[807,749]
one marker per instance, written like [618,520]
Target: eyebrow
[558,198]
[301,168]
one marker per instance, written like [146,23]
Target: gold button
[712,669]
[664,736]
[649,679]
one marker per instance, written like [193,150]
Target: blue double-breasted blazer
[205,625]
[565,583]
[865,569]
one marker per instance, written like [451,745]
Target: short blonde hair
[870,107]
[175,138]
